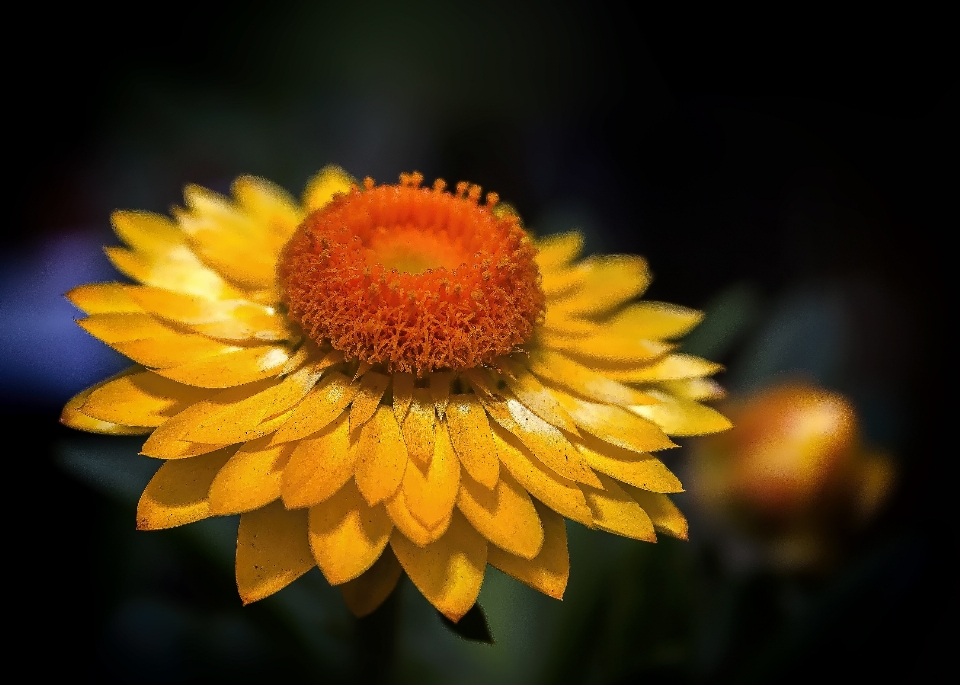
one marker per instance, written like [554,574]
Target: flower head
[390,379]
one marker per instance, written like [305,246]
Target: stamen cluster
[417,279]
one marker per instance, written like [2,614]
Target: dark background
[798,156]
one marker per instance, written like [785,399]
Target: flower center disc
[416,279]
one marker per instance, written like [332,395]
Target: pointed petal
[608,281]
[330,181]
[402,395]
[272,550]
[626,466]
[472,440]
[615,425]
[664,513]
[172,350]
[250,480]
[372,387]
[381,457]
[547,443]
[413,529]
[147,232]
[653,321]
[548,571]
[682,417]
[141,399]
[269,205]
[72,416]
[430,492]
[113,328]
[324,403]
[537,398]
[366,593]
[449,571]
[668,368]
[558,250]
[558,493]
[230,369]
[698,389]
[319,466]
[103,298]
[177,269]
[505,516]
[347,535]
[177,493]
[615,511]
[238,421]
[419,426]
[559,370]
[607,349]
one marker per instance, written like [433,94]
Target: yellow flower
[388,380]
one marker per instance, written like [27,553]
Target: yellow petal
[347,535]
[470,434]
[229,240]
[549,570]
[103,298]
[319,466]
[547,443]
[537,398]
[440,382]
[324,403]
[238,421]
[169,440]
[700,389]
[172,350]
[430,492]
[251,479]
[560,370]
[615,511]
[147,232]
[627,466]
[363,595]
[72,416]
[322,187]
[558,250]
[402,395]
[558,493]
[372,387]
[381,457]
[615,425]
[447,572]
[230,369]
[607,349]
[505,515]
[123,327]
[272,550]
[177,493]
[653,321]
[670,367]
[682,417]
[608,281]
[664,513]
[141,399]
[268,204]
[418,427]
[405,522]
[177,269]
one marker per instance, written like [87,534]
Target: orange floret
[416,279]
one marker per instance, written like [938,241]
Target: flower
[390,379]
[794,474]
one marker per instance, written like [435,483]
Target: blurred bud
[793,469]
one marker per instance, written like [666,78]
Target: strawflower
[390,379]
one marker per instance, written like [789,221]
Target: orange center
[413,278]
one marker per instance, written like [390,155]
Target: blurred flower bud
[792,471]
